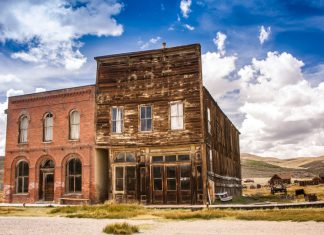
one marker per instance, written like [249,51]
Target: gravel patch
[67,226]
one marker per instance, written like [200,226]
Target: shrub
[121,228]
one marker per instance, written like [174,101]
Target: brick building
[147,131]
[50,146]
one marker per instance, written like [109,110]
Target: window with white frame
[23,129]
[208,120]
[211,159]
[146,118]
[176,115]
[117,120]
[48,127]
[74,125]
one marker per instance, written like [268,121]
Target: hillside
[260,167]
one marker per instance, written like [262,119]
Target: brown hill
[254,166]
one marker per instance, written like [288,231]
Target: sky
[263,60]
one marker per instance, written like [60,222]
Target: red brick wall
[59,103]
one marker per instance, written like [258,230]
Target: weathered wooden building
[147,131]
[166,139]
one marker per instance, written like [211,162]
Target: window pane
[120,157]
[119,184]
[130,157]
[185,184]
[157,172]
[25,184]
[157,184]
[171,172]
[174,110]
[172,158]
[185,171]
[143,112]
[114,126]
[171,184]
[180,109]
[143,125]
[157,159]
[71,167]
[130,172]
[119,172]
[78,167]
[148,124]
[148,111]
[78,183]
[183,158]
[20,185]
[71,184]
[114,113]
[130,184]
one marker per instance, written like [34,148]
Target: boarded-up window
[74,125]
[176,116]
[146,118]
[74,176]
[48,127]
[117,120]
[208,120]
[22,175]
[23,129]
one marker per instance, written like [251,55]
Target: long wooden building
[167,139]
[147,131]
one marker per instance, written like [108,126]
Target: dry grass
[121,228]
[105,211]
[27,211]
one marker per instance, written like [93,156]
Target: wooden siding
[155,77]
[223,140]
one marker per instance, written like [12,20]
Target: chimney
[163,45]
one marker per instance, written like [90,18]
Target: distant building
[281,178]
[321,176]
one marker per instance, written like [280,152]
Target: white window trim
[140,118]
[170,115]
[121,120]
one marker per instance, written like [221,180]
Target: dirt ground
[64,226]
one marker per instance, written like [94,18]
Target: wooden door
[185,184]
[48,186]
[170,184]
[157,184]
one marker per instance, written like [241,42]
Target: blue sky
[263,61]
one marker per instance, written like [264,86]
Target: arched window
[74,176]
[23,129]
[22,174]
[48,127]
[74,125]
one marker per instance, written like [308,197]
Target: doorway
[46,181]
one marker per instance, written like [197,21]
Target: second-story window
[48,127]
[117,120]
[208,120]
[146,118]
[74,125]
[176,115]
[23,129]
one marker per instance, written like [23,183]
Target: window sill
[47,142]
[76,140]
[20,194]
[22,144]
[72,194]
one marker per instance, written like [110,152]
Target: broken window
[74,176]
[48,127]
[23,128]
[176,116]
[22,175]
[74,125]
[117,120]
[146,118]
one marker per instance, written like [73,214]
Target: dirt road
[65,226]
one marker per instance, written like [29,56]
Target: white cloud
[264,34]
[185,8]
[51,29]
[219,41]
[150,42]
[189,27]
[39,89]
[283,112]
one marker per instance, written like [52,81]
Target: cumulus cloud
[219,41]
[185,8]
[51,30]
[283,112]
[264,34]
[150,42]
[189,27]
